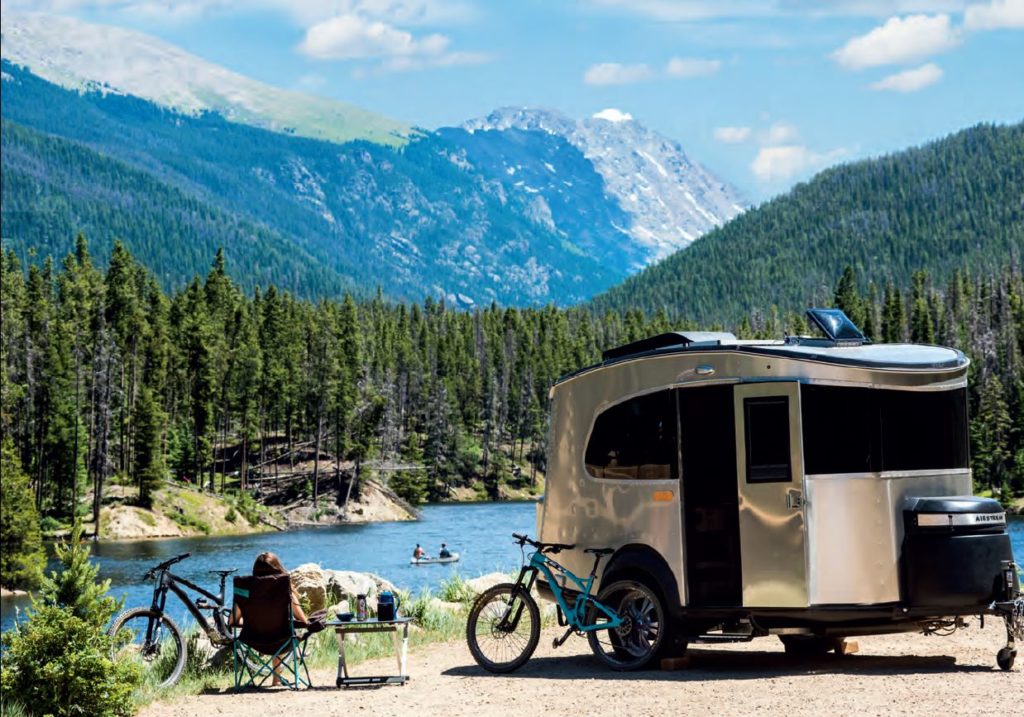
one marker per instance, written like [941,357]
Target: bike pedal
[559,641]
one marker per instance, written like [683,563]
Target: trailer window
[636,439]
[767,437]
[858,430]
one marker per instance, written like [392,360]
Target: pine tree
[22,558]
[149,446]
[990,432]
[847,298]
[75,586]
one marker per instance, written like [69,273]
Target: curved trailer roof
[899,357]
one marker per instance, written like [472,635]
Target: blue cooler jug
[387,606]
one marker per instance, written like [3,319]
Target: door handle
[795,500]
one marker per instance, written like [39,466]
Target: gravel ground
[891,675]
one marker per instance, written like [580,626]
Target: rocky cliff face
[669,199]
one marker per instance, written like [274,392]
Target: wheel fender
[640,561]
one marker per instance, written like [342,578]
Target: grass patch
[146,517]
[433,624]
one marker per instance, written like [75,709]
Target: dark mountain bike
[149,635]
[624,623]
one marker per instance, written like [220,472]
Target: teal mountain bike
[623,623]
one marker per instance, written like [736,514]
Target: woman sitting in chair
[269,564]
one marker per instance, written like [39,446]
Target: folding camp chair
[268,633]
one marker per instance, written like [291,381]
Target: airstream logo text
[989,518]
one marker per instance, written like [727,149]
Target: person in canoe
[419,553]
[444,552]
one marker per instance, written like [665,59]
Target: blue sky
[764,92]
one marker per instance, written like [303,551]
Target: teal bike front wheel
[503,628]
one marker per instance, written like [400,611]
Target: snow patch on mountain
[85,56]
[671,199]
[613,115]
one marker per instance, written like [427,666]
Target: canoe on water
[435,561]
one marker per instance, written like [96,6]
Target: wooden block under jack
[668,664]
[847,647]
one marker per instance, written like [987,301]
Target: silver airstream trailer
[812,489]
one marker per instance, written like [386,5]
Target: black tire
[503,628]
[1005,659]
[639,641]
[807,645]
[163,662]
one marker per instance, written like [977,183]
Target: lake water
[481,533]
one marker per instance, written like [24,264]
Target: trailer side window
[636,439]
[767,437]
[857,430]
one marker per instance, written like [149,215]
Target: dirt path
[892,675]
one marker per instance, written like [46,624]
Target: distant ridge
[957,203]
[86,56]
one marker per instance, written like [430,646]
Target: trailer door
[769,473]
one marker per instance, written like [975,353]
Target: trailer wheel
[636,643]
[807,645]
[1005,658]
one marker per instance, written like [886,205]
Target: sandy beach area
[891,675]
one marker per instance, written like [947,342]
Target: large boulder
[310,582]
[486,582]
[342,584]
[346,584]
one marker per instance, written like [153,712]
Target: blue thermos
[387,606]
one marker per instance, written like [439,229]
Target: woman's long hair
[268,564]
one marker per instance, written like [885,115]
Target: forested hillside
[105,376]
[954,204]
[53,188]
[422,216]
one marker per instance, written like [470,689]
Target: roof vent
[837,326]
[671,339]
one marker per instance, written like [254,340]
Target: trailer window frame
[641,471]
[767,415]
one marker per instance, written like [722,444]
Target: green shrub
[248,507]
[60,664]
[231,516]
[59,660]
[455,589]
[49,524]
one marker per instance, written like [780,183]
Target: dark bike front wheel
[503,628]
[153,640]
[636,642]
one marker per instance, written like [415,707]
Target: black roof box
[672,339]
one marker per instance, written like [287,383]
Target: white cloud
[995,15]
[779,133]
[351,37]
[732,135]
[693,10]
[613,73]
[898,41]
[304,12]
[781,163]
[692,67]
[910,80]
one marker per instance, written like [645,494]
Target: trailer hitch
[1011,609]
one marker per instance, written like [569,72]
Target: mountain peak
[90,57]
[672,199]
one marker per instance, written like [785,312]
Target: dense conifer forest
[107,377]
[950,205]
